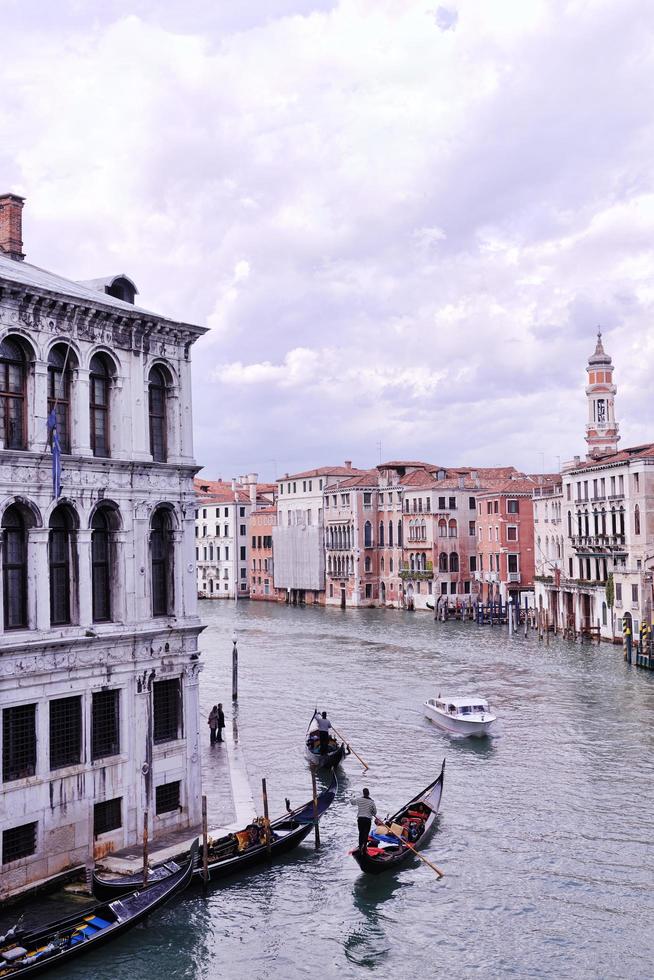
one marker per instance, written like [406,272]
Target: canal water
[545,833]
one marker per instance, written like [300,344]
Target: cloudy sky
[402,221]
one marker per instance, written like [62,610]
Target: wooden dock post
[234,669]
[145,848]
[264,793]
[315,809]
[205,846]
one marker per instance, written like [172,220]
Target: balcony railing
[405,566]
[607,542]
[514,576]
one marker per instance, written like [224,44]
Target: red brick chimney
[11,226]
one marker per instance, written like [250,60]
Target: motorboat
[468,715]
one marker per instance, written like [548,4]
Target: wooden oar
[343,739]
[418,854]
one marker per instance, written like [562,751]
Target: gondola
[334,755]
[225,854]
[384,851]
[25,953]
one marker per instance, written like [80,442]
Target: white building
[298,538]
[549,550]
[99,634]
[608,522]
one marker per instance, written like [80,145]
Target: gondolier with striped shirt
[366,810]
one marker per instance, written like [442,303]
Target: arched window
[158,415]
[454,562]
[59,389]
[423,561]
[368,563]
[101,567]
[442,528]
[622,521]
[13,374]
[595,522]
[14,569]
[604,614]
[100,386]
[636,519]
[569,524]
[390,534]
[603,515]
[442,562]
[453,529]
[399,534]
[367,535]
[59,555]
[382,565]
[381,534]
[390,566]
[586,524]
[161,557]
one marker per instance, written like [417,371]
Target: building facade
[99,630]
[261,572]
[298,537]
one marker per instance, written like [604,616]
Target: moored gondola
[336,750]
[386,851]
[27,953]
[240,851]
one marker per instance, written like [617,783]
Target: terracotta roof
[365,478]
[509,487]
[645,451]
[321,471]
[396,463]
[219,492]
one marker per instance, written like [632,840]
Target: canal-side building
[222,537]
[298,537]
[505,539]
[99,659]
[549,553]
[261,572]
[352,541]
[607,511]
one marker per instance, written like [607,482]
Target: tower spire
[601,429]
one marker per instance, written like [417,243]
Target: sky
[402,222]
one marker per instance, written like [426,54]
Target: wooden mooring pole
[205,846]
[264,793]
[234,669]
[145,848]
[315,810]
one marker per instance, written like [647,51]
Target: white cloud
[399,221]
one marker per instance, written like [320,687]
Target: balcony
[514,576]
[422,574]
[598,542]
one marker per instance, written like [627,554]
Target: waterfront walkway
[229,806]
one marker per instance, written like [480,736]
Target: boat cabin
[460,707]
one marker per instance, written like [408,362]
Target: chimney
[11,226]
[348,464]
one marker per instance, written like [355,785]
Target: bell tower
[601,429]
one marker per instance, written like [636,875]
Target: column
[84,584]
[187,558]
[191,695]
[37,436]
[178,573]
[143,608]
[38,579]
[186,408]
[80,414]
[174,425]
[135,402]
[122,579]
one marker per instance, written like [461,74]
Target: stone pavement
[229,805]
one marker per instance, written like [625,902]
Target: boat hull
[458,726]
[375,865]
[326,760]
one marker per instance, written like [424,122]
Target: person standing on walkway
[213,724]
[221,722]
[324,724]
[366,810]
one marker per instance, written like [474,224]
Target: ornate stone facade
[99,660]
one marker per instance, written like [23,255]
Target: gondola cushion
[14,954]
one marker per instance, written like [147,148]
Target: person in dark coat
[213,722]
[221,722]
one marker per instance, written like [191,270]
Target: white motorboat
[461,715]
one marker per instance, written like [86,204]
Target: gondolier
[366,810]
[324,725]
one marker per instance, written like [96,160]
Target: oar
[343,739]
[418,854]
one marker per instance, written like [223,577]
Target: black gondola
[30,952]
[226,858]
[336,751]
[385,851]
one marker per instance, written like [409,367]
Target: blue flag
[56,454]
